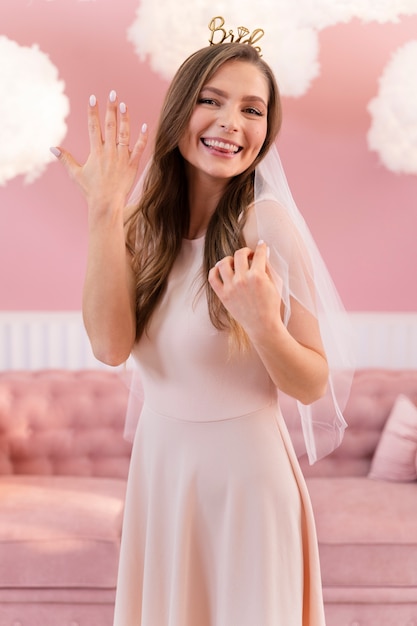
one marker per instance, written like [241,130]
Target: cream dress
[218,527]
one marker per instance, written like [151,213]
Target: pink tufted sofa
[63,465]
[367,527]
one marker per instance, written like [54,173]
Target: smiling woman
[218,527]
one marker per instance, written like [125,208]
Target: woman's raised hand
[108,175]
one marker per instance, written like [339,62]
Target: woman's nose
[228,122]
[228,127]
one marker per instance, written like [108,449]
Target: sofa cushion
[60,531]
[367,531]
[395,457]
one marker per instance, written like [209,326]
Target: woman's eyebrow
[223,94]
[255,99]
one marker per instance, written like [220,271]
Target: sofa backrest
[71,422]
[63,422]
[372,397]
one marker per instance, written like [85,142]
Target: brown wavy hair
[161,220]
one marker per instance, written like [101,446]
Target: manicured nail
[144,128]
[122,107]
[112,96]
[93,101]
[56,152]
[268,249]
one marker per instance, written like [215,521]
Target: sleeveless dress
[218,527]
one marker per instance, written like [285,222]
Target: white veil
[301,275]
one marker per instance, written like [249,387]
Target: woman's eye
[206,101]
[253,111]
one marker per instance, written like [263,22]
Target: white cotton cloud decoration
[393,130]
[167,31]
[323,13]
[33,108]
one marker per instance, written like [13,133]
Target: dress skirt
[218,527]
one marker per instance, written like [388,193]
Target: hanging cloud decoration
[320,14]
[393,131]
[33,109]
[167,32]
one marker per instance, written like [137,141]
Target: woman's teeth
[221,145]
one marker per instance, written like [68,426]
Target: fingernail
[268,252]
[122,107]
[112,96]
[56,152]
[260,242]
[93,101]
[144,128]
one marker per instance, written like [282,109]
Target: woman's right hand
[108,175]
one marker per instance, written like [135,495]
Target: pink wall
[363,217]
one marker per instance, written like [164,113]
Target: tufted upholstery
[56,422]
[367,529]
[373,395]
[63,465]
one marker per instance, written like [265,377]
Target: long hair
[161,219]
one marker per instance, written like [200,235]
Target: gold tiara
[220,35]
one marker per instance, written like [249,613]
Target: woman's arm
[109,292]
[105,181]
[293,355]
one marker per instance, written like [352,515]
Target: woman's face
[229,123]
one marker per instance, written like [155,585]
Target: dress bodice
[186,365]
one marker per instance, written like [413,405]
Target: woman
[218,528]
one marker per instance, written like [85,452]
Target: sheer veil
[300,274]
